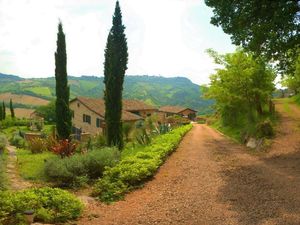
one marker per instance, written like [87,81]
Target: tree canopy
[266,27]
[115,65]
[63,113]
[242,86]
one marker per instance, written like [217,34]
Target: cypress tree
[115,65]
[1,112]
[12,111]
[4,111]
[62,110]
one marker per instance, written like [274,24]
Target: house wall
[77,119]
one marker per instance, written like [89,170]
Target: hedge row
[50,205]
[135,169]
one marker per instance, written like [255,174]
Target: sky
[165,37]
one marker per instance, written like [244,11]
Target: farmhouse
[88,113]
[167,111]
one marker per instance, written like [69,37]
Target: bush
[265,129]
[64,148]
[135,169]
[10,122]
[36,145]
[73,170]
[17,140]
[3,178]
[3,142]
[50,142]
[50,205]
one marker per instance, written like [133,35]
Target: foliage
[47,112]
[50,142]
[115,65]
[142,137]
[62,109]
[137,165]
[177,120]
[69,171]
[3,177]
[17,140]
[51,205]
[10,122]
[1,113]
[31,166]
[64,148]
[36,145]
[242,87]
[4,111]
[127,129]
[265,129]
[12,112]
[3,142]
[269,28]
[292,80]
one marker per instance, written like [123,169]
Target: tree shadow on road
[260,190]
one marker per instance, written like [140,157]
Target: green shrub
[3,177]
[51,205]
[3,142]
[36,145]
[74,170]
[136,168]
[265,129]
[17,140]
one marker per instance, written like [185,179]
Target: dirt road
[210,180]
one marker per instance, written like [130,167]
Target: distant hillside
[152,89]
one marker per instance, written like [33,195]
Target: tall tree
[115,65]
[12,111]
[1,112]
[4,110]
[242,87]
[62,109]
[266,27]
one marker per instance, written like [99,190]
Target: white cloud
[165,37]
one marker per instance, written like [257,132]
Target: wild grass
[31,166]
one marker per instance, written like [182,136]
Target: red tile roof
[174,109]
[98,107]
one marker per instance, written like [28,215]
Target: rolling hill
[151,89]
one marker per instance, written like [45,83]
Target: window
[86,119]
[98,122]
[72,113]
[78,105]
[148,114]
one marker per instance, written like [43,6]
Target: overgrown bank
[242,90]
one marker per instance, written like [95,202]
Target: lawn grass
[31,166]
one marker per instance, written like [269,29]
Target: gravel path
[15,180]
[210,180]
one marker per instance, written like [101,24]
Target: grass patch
[31,166]
[43,91]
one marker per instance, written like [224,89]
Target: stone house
[88,113]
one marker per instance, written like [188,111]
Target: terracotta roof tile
[98,106]
[174,109]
